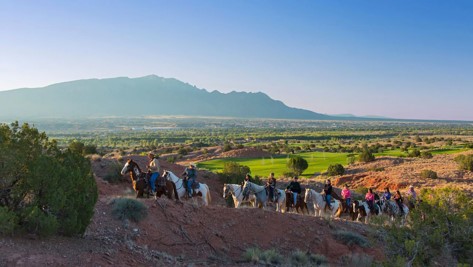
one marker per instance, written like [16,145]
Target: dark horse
[300,202]
[140,185]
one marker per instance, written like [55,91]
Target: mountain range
[144,96]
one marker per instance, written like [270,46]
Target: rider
[271,185]
[346,194]
[411,194]
[191,174]
[247,179]
[328,193]
[153,168]
[387,194]
[295,188]
[398,199]
[369,197]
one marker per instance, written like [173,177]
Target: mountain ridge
[147,95]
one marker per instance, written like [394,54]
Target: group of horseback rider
[154,178]
[371,197]
[293,188]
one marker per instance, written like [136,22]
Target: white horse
[181,187]
[262,196]
[364,210]
[319,204]
[237,194]
[392,209]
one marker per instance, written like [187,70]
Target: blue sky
[402,59]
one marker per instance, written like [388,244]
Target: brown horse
[300,202]
[138,179]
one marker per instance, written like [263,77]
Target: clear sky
[402,59]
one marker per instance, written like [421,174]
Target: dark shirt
[397,198]
[190,173]
[328,189]
[272,182]
[295,187]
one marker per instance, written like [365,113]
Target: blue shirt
[387,195]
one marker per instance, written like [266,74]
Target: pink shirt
[369,197]
[346,193]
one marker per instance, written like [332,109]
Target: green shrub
[335,169]
[39,222]
[317,259]
[357,259]
[299,258]
[297,164]
[351,238]
[439,227]
[234,173]
[272,256]
[366,155]
[52,191]
[414,153]
[127,208]
[428,174]
[426,155]
[361,190]
[465,162]
[89,149]
[8,221]
[252,255]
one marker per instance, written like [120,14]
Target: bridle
[166,173]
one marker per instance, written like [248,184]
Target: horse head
[128,167]
[355,205]
[226,190]
[308,194]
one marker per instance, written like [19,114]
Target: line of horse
[258,197]
[358,210]
[174,188]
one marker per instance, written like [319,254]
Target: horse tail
[339,211]
[283,205]
[176,195]
[209,198]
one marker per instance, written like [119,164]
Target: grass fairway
[318,162]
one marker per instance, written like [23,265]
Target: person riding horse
[295,188]
[346,195]
[190,174]
[328,194]
[412,197]
[386,194]
[369,197]
[271,186]
[153,173]
[247,179]
[398,199]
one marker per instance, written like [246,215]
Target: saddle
[161,181]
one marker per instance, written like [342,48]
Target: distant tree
[227,147]
[465,162]
[335,169]
[234,173]
[414,153]
[366,155]
[426,155]
[89,149]
[428,174]
[76,147]
[418,139]
[297,164]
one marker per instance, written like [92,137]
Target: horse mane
[130,161]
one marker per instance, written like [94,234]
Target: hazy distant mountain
[347,116]
[149,95]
